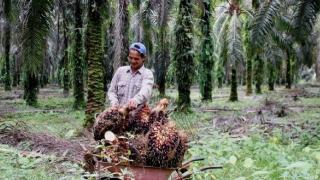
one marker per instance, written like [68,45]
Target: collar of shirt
[139,70]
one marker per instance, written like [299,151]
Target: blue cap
[138,47]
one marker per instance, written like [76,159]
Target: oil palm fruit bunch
[159,113]
[182,147]
[163,140]
[111,120]
[139,119]
[138,149]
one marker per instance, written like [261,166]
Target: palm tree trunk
[271,78]
[220,75]
[249,77]
[65,58]
[108,70]
[249,56]
[121,43]
[16,73]
[31,88]
[66,77]
[183,57]
[7,36]
[259,74]
[233,93]
[206,57]
[78,60]
[288,71]
[96,95]
[162,54]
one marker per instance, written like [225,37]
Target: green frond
[219,22]
[273,54]
[305,16]
[284,23]
[36,26]
[264,21]
[281,39]
[235,49]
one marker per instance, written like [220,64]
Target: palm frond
[281,39]
[304,18]
[284,23]
[273,54]
[235,49]
[218,23]
[36,25]
[264,21]
[221,44]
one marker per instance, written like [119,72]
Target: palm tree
[121,34]
[162,54]
[7,36]
[143,23]
[227,28]
[249,50]
[65,56]
[35,29]
[96,95]
[206,57]
[78,86]
[183,56]
[294,21]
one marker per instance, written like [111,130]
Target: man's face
[135,59]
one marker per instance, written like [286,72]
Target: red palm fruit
[159,113]
[163,141]
[110,120]
[139,119]
[178,156]
[138,148]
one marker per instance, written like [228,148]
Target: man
[131,85]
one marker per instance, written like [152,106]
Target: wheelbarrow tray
[139,172]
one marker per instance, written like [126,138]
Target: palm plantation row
[80,44]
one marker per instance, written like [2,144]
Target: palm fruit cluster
[110,120]
[159,113]
[139,119]
[155,140]
[163,141]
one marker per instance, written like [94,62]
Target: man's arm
[146,89]
[112,92]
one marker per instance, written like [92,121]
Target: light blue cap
[138,47]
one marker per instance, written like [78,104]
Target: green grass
[255,157]
[15,164]
[56,103]
[63,125]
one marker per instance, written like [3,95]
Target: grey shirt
[126,85]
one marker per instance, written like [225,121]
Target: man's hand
[132,104]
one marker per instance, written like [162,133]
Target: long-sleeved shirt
[126,85]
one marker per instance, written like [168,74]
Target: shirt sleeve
[146,89]
[112,92]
